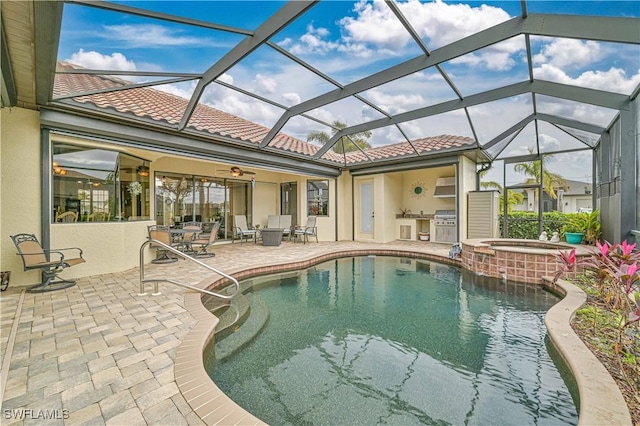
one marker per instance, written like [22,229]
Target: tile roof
[167,108]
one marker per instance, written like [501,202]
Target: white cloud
[312,42]
[442,23]
[375,32]
[566,52]
[95,60]
[148,36]
[548,143]
[265,84]
[614,79]
[291,99]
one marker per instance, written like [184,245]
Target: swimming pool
[371,340]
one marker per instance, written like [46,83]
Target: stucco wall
[21,175]
[345,218]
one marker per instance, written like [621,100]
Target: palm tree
[550,181]
[344,144]
[513,198]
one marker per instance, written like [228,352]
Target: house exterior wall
[107,247]
[344,198]
[20,170]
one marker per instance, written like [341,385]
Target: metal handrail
[164,246]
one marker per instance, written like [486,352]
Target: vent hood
[445,187]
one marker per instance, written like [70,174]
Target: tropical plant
[550,181]
[350,143]
[585,223]
[513,198]
[613,274]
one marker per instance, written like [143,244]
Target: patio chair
[67,217]
[241,229]
[308,230]
[285,224]
[162,234]
[188,237]
[282,221]
[203,243]
[49,262]
[98,217]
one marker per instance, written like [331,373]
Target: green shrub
[525,224]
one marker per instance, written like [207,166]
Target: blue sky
[349,40]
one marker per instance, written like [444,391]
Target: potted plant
[582,226]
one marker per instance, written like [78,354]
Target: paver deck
[98,353]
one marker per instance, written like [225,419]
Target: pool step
[241,333]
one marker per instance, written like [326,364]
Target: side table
[271,236]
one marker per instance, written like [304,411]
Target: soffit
[18,28]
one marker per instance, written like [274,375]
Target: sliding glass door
[181,198]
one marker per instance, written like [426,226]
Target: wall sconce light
[143,171]
[57,170]
[235,172]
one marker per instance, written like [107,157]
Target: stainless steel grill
[445,218]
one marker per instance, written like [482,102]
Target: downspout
[45,188]
[353,211]
[483,167]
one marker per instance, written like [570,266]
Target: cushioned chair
[68,216]
[241,229]
[188,237]
[49,262]
[162,234]
[309,230]
[203,243]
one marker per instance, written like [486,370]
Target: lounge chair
[50,262]
[241,229]
[203,243]
[162,234]
[309,230]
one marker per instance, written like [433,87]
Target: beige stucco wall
[20,173]
[344,209]
[108,247]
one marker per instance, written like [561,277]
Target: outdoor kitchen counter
[410,227]
[415,216]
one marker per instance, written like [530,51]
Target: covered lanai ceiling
[420,79]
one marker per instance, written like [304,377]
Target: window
[98,185]
[318,197]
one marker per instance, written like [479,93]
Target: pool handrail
[168,248]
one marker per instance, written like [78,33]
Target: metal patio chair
[309,230]
[204,243]
[50,262]
[241,229]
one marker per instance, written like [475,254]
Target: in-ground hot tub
[517,259]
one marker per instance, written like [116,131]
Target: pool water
[374,340]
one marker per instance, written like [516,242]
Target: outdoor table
[178,235]
[271,236]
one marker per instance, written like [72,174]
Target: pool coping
[601,401]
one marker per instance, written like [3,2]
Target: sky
[348,40]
